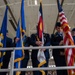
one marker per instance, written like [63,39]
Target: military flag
[18,53]
[68,40]
[3,36]
[23,22]
[20,35]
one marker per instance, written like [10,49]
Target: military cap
[58,24]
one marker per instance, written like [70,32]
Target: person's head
[73,32]
[58,27]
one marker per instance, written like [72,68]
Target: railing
[11,69]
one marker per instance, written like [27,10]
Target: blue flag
[23,23]
[3,35]
[18,53]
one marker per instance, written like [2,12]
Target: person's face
[17,39]
[58,29]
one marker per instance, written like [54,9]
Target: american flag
[68,40]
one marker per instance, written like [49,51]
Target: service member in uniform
[6,58]
[73,34]
[58,54]
[26,57]
[36,42]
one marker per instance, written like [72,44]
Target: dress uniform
[26,58]
[6,58]
[58,54]
[34,53]
[73,34]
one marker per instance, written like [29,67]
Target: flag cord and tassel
[42,62]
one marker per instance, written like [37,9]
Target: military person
[58,54]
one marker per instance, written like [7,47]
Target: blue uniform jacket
[46,43]
[26,44]
[55,40]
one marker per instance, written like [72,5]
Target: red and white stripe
[62,18]
[68,40]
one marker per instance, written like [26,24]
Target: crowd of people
[55,39]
